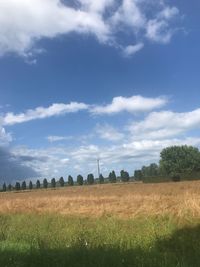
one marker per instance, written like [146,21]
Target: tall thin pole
[98,167]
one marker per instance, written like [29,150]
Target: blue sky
[83,79]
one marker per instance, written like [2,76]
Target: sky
[80,80]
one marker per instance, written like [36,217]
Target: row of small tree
[112,178]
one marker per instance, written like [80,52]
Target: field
[115,225]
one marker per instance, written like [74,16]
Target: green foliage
[53,182]
[151,170]
[80,179]
[70,180]
[59,241]
[138,175]
[176,160]
[17,186]
[38,184]
[101,179]
[23,185]
[112,177]
[30,185]
[90,179]
[4,188]
[124,176]
[61,182]
[45,183]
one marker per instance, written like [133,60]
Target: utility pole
[98,167]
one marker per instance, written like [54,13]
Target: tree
[101,179]
[30,185]
[176,160]
[17,186]
[9,187]
[124,176]
[45,183]
[90,179]
[151,170]
[4,187]
[61,182]
[23,185]
[138,175]
[38,184]
[112,177]
[80,179]
[53,182]
[70,180]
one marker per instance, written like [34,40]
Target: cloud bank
[105,20]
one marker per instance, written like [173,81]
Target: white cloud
[55,138]
[31,20]
[159,29]
[132,104]
[5,138]
[132,49]
[107,132]
[164,124]
[41,112]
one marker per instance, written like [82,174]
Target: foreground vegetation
[49,240]
[120,225]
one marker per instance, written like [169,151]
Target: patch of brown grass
[121,200]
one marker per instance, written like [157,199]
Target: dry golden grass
[121,200]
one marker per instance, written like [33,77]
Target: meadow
[132,224]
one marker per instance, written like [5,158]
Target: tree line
[175,162]
[112,178]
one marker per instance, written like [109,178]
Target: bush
[124,176]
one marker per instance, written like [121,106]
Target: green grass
[56,241]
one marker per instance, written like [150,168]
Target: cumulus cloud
[107,132]
[132,49]
[41,112]
[132,104]
[83,159]
[164,124]
[105,20]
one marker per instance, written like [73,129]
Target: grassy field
[115,225]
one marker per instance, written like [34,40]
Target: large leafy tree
[176,160]
[80,179]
